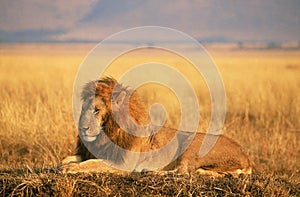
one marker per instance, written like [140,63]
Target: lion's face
[92,119]
[95,113]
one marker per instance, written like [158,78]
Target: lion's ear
[118,98]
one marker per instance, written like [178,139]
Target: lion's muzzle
[89,135]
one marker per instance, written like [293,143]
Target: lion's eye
[96,111]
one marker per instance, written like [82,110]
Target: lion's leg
[91,165]
[210,173]
[234,173]
[185,169]
[237,172]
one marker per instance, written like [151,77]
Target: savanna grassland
[37,129]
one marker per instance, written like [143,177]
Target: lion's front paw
[70,168]
[71,159]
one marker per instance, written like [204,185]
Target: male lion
[105,103]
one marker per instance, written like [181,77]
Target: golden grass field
[263,104]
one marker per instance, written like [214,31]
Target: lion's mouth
[91,138]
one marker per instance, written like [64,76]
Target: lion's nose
[83,129]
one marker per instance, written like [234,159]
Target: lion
[104,144]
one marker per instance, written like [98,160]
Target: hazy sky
[223,20]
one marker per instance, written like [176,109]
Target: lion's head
[95,109]
[97,122]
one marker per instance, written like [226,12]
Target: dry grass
[52,183]
[37,128]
